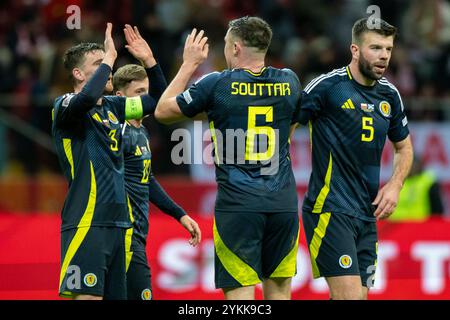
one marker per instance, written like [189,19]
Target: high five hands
[136,45]
[195,51]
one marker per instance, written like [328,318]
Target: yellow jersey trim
[67,143]
[288,266]
[316,242]
[318,206]
[82,229]
[256,74]
[348,72]
[238,269]
[214,138]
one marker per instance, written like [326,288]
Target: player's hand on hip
[110,49]
[195,48]
[138,47]
[190,225]
[386,200]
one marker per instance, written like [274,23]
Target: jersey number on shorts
[367,126]
[253,131]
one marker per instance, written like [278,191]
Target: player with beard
[350,112]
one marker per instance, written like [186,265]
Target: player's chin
[378,72]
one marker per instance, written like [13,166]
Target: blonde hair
[124,75]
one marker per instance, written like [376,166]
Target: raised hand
[110,49]
[138,47]
[195,48]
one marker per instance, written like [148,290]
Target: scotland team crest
[385,108]
[112,118]
[146,294]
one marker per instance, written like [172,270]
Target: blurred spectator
[420,196]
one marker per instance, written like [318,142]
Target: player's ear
[354,49]
[78,74]
[119,93]
[236,48]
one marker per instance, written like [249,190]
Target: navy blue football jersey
[89,148]
[138,159]
[90,154]
[249,116]
[349,123]
[141,185]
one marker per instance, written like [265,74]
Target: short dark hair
[253,31]
[377,25]
[75,55]
[124,75]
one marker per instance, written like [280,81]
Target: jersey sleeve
[398,127]
[159,197]
[71,107]
[195,99]
[297,87]
[157,80]
[311,101]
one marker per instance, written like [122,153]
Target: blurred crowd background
[310,37]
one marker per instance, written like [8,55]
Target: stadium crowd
[309,37]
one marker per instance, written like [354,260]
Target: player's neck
[359,77]
[135,122]
[253,64]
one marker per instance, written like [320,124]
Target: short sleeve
[398,127]
[195,99]
[117,104]
[311,101]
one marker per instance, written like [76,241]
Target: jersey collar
[256,74]
[350,77]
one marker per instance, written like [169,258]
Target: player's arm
[195,52]
[159,197]
[295,116]
[76,105]
[387,197]
[310,102]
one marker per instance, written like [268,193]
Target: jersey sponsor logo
[348,104]
[112,118]
[97,117]
[138,152]
[146,294]
[67,99]
[187,96]
[385,108]
[345,261]
[367,107]
[90,280]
